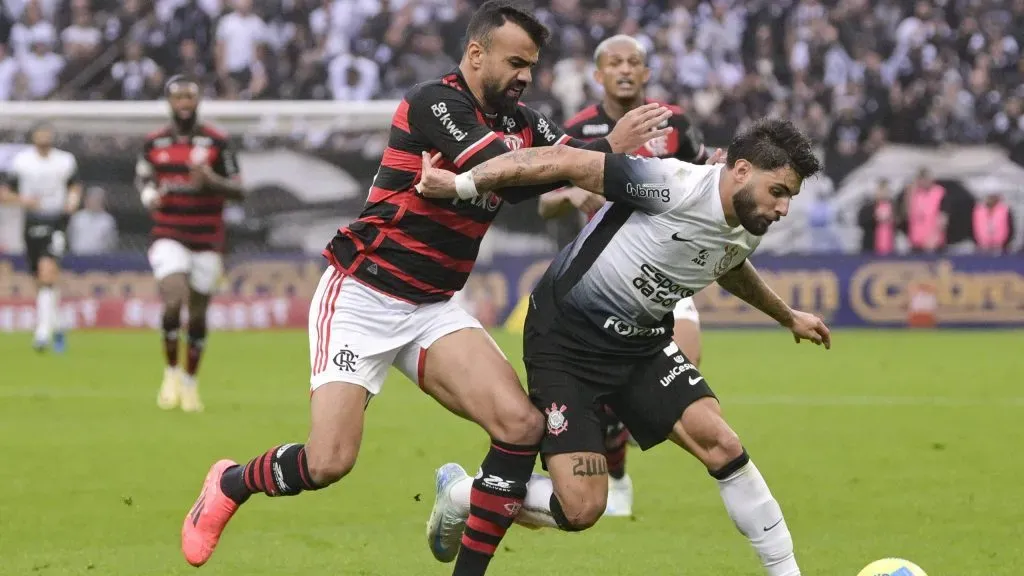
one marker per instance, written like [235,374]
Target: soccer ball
[892,567]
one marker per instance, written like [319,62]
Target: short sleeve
[226,164]
[691,140]
[648,184]
[72,176]
[447,120]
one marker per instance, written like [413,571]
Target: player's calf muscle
[704,433]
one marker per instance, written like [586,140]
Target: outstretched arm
[746,284]
[584,168]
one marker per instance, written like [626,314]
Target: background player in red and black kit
[185,173]
[621,69]
[385,298]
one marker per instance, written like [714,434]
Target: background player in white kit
[599,329]
[43,180]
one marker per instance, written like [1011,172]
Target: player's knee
[174,292]
[48,273]
[522,424]
[581,511]
[329,466]
[725,448]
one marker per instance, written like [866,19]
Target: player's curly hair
[771,143]
[494,13]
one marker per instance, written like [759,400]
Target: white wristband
[465,187]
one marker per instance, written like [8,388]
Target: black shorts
[647,393]
[43,240]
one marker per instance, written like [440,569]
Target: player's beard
[186,124]
[745,206]
[497,97]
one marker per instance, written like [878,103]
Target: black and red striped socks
[615,453]
[196,344]
[494,502]
[281,471]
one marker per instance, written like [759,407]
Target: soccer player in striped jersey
[185,174]
[385,298]
[621,69]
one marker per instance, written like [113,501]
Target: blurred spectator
[136,77]
[927,208]
[353,78]
[41,67]
[190,23]
[92,230]
[240,37]
[425,60]
[878,220]
[821,222]
[992,224]
[31,29]
[8,72]
[82,40]
[128,14]
[189,62]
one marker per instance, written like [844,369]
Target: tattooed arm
[744,282]
[584,168]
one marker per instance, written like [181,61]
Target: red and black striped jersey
[422,249]
[190,216]
[685,142]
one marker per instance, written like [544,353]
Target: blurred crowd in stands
[854,73]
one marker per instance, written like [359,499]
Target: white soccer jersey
[44,178]
[663,237]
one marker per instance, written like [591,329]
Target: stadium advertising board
[273,293]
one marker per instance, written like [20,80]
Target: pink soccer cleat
[205,522]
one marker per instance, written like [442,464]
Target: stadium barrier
[117,291]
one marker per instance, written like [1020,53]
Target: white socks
[756,513]
[47,313]
[460,495]
[536,512]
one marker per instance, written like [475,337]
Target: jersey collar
[717,210]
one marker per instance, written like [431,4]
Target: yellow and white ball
[892,567]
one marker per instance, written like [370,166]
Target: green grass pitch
[891,444]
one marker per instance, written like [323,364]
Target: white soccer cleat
[190,401]
[446,523]
[170,390]
[620,497]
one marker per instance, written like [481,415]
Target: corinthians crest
[556,419]
[725,263]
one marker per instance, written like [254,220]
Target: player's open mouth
[625,83]
[514,92]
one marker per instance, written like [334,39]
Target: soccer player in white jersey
[43,180]
[599,327]
[621,69]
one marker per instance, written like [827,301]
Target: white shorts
[204,269]
[356,332]
[686,310]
